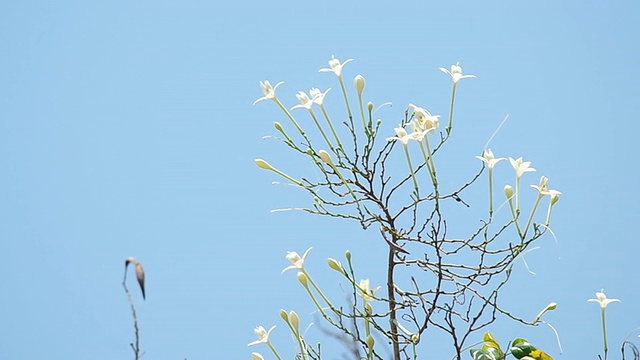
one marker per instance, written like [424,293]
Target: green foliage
[519,349]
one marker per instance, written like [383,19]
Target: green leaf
[488,337]
[521,348]
[488,353]
[492,342]
[540,355]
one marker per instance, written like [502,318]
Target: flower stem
[453,96]
[344,93]
[533,210]
[293,120]
[517,194]
[548,220]
[432,168]
[274,351]
[515,217]
[315,119]
[490,193]
[287,177]
[289,140]
[299,340]
[333,130]
[364,122]
[604,335]
[315,286]
[413,175]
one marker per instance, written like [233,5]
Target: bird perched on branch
[139,272]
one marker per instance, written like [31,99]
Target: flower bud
[554,198]
[278,126]
[370,106]
[303,279]
[324,155]
[370,341]
[508,191]
[284,316]
[256,356]
[550,307]
[335,265]
[263,164]
[358,82]
[295,320]
[379,122]
[347,254]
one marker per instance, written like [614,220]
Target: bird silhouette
[139,272]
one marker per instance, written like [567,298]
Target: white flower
[601,298]
[520,166]
[366,292]
[305,102]
[262,334]
[542,186]
[317,96]
[296,261]
[268,90]
[335,66]
[416,130]
[456,73]
[488,158]
[426,121]
[401,134]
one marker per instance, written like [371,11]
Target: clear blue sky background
[127,129]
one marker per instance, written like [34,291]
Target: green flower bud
[550,307]
[295,320]
[508,191]
[284,316]
[263,164]
[303,279]
[370,106]
[370,341]
[324,155]
[359,83]
[335,265]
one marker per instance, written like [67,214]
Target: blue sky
[127,129]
